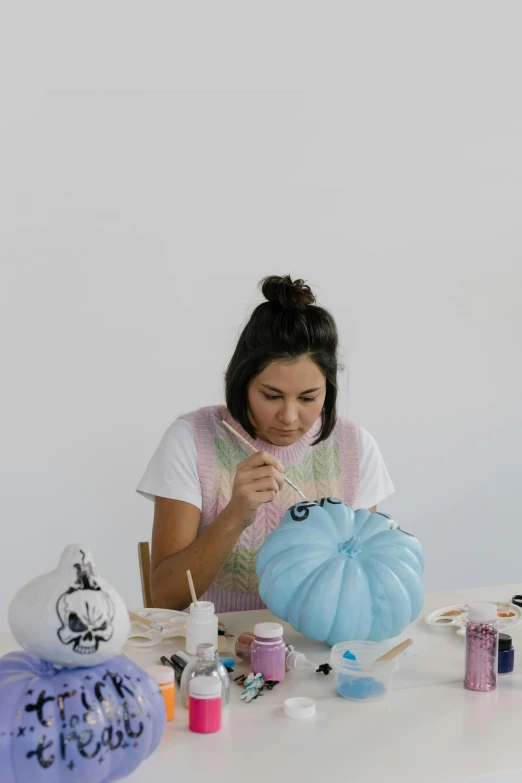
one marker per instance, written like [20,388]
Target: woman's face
[286,399]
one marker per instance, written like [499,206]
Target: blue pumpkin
[338,575]
[84,725]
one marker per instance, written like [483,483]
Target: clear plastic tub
[358,677]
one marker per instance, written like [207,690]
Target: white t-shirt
[173,469]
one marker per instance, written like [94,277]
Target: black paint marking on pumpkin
[71,765]
[38,707]
[32,728]
[301,511]
[28,693]
[21,731]
[39,753]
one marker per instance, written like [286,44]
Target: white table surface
[429,729]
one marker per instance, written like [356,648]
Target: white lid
[203,607]
[205,687]
[299,708]
[268,631]
[163,675]
[482,613]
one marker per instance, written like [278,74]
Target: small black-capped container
[506,654]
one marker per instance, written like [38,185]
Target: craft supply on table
[359,675]
[299,708]
[205,704]
[244,645]
[506,654]
[268,651]
[205,664]
[254,451]
[202,627]
[455,616]
[298,660]
[164,677]
[143,634]
[481,647]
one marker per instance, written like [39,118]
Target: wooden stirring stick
[254,450]
[388,656]
[192,590]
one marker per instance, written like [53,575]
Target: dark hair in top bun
[285,294]
[288,325]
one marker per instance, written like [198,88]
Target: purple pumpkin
[86,725]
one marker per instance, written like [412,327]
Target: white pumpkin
[70,616]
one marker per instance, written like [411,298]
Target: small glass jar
[164,677]
[268,651]
[481,648]
[201,627]
[506,654]
[207,664]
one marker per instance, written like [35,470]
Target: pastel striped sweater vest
[328,469]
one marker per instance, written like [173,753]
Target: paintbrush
[145,621]
[254,450]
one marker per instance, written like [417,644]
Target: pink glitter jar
[269,651]
[481,647]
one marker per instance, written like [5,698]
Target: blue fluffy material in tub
[359,687]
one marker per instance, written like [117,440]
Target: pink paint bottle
[268,651]
[205,704]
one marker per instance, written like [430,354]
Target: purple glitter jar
[481,647]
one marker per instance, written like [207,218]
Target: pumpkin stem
[351,547]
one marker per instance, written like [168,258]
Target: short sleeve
[173,470]
[375,482]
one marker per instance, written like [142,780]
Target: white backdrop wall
[137,217]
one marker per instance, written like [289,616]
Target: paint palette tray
[508,615]
[143,636]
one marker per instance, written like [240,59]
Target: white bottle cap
[268,631]
[205,687]
[203,607]
[482,613]
[163,675]
[299,708]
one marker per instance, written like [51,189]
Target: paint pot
[269,651]
[359,676]
[164,676]
[205,704]
[506,654]
[202,627]
[244,645]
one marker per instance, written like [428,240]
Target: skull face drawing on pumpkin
[86,612]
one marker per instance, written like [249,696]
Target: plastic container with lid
[268,651]
[506,654]
[205,704]
[201,627]
[207,664]
[481,647]
[164,676]
[358,675]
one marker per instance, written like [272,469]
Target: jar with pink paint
[268,651]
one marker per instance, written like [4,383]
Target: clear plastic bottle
[481,647]
[207,664]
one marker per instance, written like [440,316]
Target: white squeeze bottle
[202,626]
